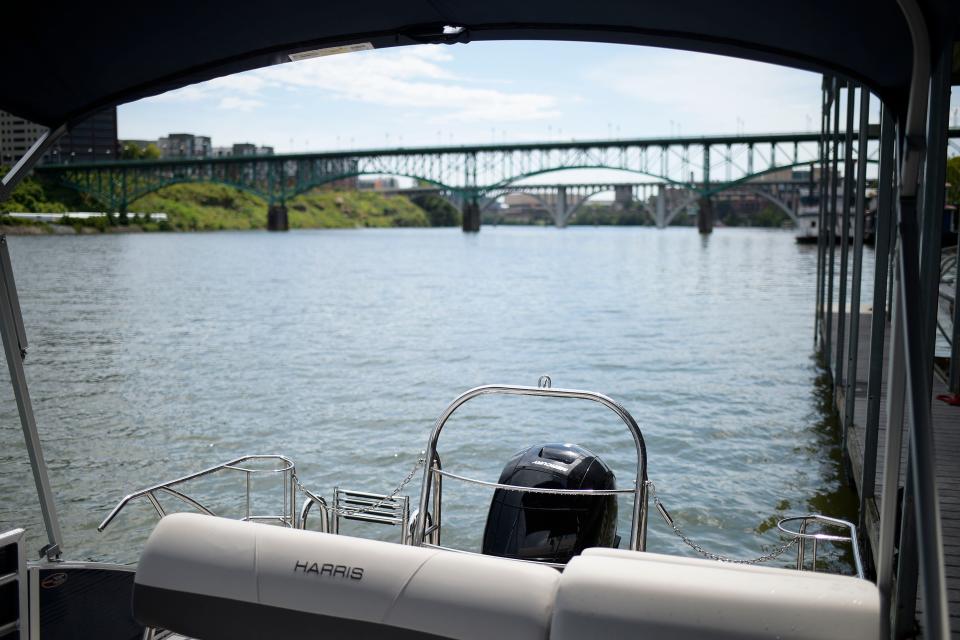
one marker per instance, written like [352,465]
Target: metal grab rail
[432,472]
[802,535]
[311,499]
[286,469]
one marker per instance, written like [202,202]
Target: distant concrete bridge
[661,202]
[702,165]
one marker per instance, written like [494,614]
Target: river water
[155,355]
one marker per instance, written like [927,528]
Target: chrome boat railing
[802,534]
[283,466]
[430,491]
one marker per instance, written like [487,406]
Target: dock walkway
[946,423]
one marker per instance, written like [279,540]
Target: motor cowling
[550,527]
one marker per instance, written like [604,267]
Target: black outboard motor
[550,527]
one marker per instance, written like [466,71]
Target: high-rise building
[92,140]
[16,136]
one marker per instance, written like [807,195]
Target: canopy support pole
[15,349]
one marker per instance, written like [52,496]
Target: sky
[482,92]
[485,92]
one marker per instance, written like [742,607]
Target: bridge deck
[946,424]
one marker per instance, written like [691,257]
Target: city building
[185,145]
[94,139]
[16,136]
[244,149]
[241,149]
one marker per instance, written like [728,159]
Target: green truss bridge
[467,174]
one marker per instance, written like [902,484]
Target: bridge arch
[511,181]
[777,202]
[278,178]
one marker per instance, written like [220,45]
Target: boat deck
[946,424]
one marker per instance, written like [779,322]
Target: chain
[379,503]
[767,557]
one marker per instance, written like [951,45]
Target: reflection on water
[155,355]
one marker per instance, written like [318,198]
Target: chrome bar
[802,535]
[801,545]
[156,504]
[372,517]
[434,536]
[15,349]
[360,506]
[182,496]
[247,474]
[511,487]
[636,538]
[287,468]
[312,499]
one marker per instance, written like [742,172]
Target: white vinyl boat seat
[614,594]
[211,578]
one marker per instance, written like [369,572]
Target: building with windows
[92,140]
[16,136]
[185,145]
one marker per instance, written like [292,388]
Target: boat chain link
[767,557]
[661,509]
[382,501]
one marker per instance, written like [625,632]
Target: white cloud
[239,104]
[242,83]
[713,91]
[408,77]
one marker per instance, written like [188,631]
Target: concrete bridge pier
[705,216]
[277,218]
[471,215]
[560,209]
[661,207]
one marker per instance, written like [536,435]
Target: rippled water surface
[155,355]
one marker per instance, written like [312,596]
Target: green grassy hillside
[211,207]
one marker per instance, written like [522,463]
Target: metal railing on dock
[890,424]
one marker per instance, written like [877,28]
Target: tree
[131,151]
[439,211]
[151,152]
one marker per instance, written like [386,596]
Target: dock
[946,425]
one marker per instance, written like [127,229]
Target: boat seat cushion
[210,578]
[611,593]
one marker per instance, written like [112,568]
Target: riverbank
[213,207]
